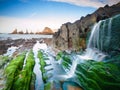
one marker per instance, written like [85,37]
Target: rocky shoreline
[23,44]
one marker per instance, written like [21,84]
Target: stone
[47,30]
[73,88]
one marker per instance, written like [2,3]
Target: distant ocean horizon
[5,36]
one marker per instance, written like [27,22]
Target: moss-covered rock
[42,57]
[47,86]
[24,78]
[13,69]
[59,55]
[4,60]
[98,75]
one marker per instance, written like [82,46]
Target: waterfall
[99,39]
[96,42]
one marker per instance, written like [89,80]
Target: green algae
[42,61]
[13,69]
[24,78]
[42,57]
[17,76]
[4,60]
[94,75]
[47,86]
[59,55]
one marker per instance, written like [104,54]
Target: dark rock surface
[23,44]
[73,35]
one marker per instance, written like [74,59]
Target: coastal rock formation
[14,32]
[47,30]
[73,35]
[23,44]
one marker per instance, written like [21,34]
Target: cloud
[89,3]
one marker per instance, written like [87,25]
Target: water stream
[39,84]
[25,59]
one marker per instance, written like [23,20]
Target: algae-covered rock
[13,69]
[23,80]
[94,75]
[47,86]
[4,60]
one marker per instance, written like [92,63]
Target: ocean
[22,36]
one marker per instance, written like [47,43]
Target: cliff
[73,36]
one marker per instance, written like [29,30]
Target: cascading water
[73,67]
[95,45]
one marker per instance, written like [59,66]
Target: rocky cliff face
[73,35]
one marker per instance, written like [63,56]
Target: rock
[26,32]
[14,32]
[73,88]
[94,75]
[31,32]
[68,85]
[73,35]
[47,30]
[20,32]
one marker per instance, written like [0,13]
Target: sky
[35,15]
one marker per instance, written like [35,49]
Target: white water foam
[10,51]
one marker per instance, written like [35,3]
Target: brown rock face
[14,32]
[47,30]
[73,35]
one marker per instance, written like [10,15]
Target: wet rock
[2,79]
[14,32]
[73,88]
[54,85]
[98,75]
[23,44]
[67,85]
